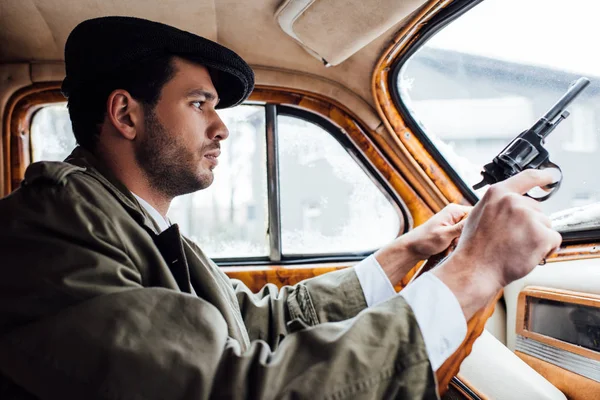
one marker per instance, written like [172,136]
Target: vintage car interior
[368,117]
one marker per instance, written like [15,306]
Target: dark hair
[87,103]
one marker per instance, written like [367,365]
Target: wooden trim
[574,386]
[429,179]
[257,277]
[15,133]
[470,386]
[563,296]
[576,252]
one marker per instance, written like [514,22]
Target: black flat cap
[101,47]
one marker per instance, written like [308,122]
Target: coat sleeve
[274,312]
[154,343]
[77,323]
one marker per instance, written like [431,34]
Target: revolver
[527,150]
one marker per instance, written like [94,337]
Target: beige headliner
[36,30]
[33,34]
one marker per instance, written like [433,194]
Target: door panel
[553,324]
[577,275]
[496,324]
[574,386]
[499,374]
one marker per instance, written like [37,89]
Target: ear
[124,113]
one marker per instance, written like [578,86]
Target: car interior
[368,117]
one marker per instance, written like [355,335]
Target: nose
[217,129]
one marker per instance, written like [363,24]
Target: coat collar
[94,167]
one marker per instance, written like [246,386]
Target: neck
[158,202]
[128,172]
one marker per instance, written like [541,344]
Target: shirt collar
[162,222]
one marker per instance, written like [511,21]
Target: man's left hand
[438,233]
[434,236]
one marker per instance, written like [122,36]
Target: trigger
[556,172]
[552,185]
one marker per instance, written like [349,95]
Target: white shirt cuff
[439,316]
[375,284]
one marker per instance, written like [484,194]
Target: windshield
[493,72]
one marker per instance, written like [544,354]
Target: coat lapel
[212,285]
[171,247]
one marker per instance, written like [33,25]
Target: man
[103,299]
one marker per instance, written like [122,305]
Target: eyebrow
[210,96]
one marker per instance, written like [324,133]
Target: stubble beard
[170,167]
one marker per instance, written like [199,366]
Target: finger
[556,241]
[530,203]
[526,180]
[454,231]
[544,220]
[553,240]
[458,211]
[461,211]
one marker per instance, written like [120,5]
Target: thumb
[456,229]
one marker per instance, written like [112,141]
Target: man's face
[180,141]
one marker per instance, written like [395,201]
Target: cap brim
[232,86]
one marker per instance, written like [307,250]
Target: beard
[170,167]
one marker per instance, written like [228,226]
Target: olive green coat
[94,304]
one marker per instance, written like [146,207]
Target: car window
[52,136]
[229,219]
[475,85]
[329,204]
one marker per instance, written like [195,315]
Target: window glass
[229,219]
[572,323]
[476,84]
[328,203]
[51,133]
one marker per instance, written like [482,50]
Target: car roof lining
[34,31]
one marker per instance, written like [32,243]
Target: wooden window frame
[431,176]
[16,138]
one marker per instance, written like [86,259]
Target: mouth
[212,156]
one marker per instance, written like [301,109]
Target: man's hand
[438,233]
[505,236]
[434,236]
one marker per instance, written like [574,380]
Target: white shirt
[436,309]
[161,221]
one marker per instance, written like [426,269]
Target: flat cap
[100,47]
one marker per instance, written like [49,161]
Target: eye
[198,104]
